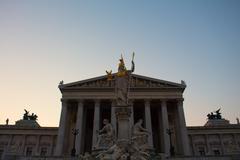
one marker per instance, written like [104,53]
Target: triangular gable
[137,81]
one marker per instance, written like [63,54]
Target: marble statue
[116,152]
[86,156]
[138,130]
[124,148]
[105,135]
[140,134]
[138,151]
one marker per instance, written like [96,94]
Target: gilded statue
[122,81]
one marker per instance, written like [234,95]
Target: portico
[86,103]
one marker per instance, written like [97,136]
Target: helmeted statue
[123,82]
[125,147]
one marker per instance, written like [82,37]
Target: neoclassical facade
[86,103]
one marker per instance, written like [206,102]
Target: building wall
[17,140]
[218,140]
[208,141]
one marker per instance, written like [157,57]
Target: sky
[44,42]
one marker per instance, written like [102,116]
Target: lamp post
[74,132]
[172,152]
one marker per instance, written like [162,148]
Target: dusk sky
[44,42]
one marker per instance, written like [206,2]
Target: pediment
[136,81]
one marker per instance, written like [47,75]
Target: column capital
[80,100]
[130,101]
[112,101]
[164,100]
[64,100]
[97,101]
[147,101]
[180,102]
[180,99]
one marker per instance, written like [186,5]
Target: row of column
[164,123]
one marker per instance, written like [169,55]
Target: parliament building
[87,103]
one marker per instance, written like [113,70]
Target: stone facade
[159,103]
[215,140]
[85,104]
[27,141]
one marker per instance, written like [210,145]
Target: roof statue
[109,75]
[217,115]
[7,121]
[26,116]
[28,120]
[215,119]
[61,82]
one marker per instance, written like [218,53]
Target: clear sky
[44,42]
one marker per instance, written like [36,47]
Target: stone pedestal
[216,122]
[27,123]
[123,114]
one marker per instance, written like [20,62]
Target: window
[216,152]
[43,151]
[29,151]
[201,151]
[1,153]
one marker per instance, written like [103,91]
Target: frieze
[136,81]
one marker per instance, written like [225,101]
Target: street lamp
[172,152]
[74,132]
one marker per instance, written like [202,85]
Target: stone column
[8,149]
[207,145]
[193,145]
[50,153]
[222,145]
[61,130]
[10,141]
[37,145]
[96,122]
[23,144]
[113,117]
[165,141]
[148,122]
[182,129]
[79,126]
